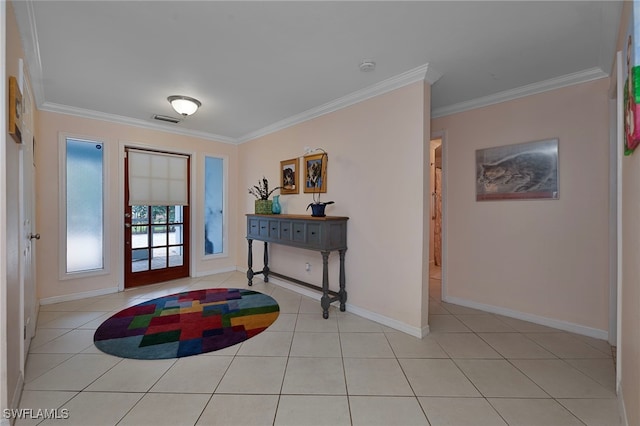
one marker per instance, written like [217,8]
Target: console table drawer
[285,230]
[298,234]
[253,227]
[314,235]
[263,228]
[274,229]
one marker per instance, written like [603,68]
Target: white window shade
[157,179]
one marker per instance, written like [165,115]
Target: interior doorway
[436,212]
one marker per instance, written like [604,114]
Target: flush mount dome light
[184,105]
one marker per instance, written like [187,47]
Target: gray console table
[323,234]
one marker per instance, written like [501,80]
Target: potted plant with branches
[263,204]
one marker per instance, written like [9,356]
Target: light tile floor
[474,369]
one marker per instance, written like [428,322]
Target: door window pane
[139,236]
[159,258]
[175,214]
[159,214]
[140,214]
[175,256]
[159,235]
[139,260]
[213,199]
[84,205]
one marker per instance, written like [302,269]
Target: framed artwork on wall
[15,110]
[631,91]
[518,172]
[289,177]
[315,170]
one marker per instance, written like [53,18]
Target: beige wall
[546,259]
[377,158]
[114,136]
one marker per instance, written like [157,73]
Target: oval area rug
[185,324]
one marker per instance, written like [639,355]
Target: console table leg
[342,293]
[250,262]
[265,270]
[325,300]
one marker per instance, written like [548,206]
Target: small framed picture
[289,177]
[315,169]
[15,110]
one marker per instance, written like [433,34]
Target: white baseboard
[201,274]
[17,392]
[110,290]
[549,322]
[78,296]
[389,322]
[622,409]
[380,319]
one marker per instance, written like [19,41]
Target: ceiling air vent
[166,118]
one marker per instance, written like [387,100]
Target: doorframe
[616,126]
[442,135]
[122,145]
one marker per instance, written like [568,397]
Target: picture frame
[315,172]
[631,98]
[15,110]
[524,171]
[289,177]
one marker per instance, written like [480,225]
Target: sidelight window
[83,192]
[213,204]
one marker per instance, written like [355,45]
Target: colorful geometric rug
[185,324]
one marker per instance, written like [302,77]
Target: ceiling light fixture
[184,105]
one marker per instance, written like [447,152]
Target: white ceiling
[259,66]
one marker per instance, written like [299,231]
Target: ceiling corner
[432,75]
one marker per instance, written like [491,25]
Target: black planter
[317,209]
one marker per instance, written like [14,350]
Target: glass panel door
[156,243]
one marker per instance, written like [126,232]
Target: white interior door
[27,219]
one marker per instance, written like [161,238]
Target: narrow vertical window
[84,205]
[213,199]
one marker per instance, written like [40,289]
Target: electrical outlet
[307,266]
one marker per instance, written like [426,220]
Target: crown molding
[31,47]
[421,73]
[520,92]
[119,119]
